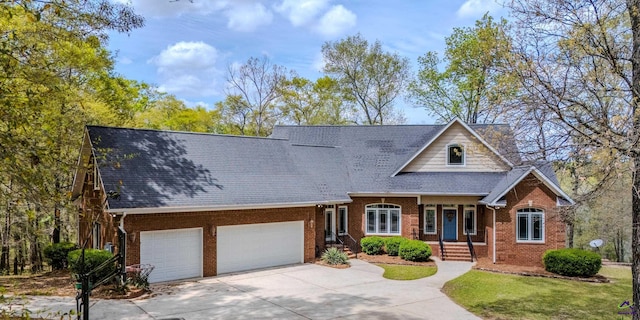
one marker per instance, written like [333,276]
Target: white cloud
[318,62]
[301,12]
[247,16]
[155,8]
[474,8]
[187,68]
[336,21]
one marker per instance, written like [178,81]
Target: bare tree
[253,88]
[371,78]
[580,60]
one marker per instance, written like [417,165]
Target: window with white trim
[430,219]
[343,220]
[530,225]
[470,219]
[383,219]
[455,155]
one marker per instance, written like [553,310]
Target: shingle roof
[174,169]
[374,153]
[298,164]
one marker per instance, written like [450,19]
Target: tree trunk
[6,233]
[570,232]
[633,7]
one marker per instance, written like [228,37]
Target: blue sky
[186,47]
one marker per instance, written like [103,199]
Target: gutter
[150,210]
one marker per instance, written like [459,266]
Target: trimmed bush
[414,250]
[56,254]
[92,259]
[572,262]
[392,244]
[334,256]
[372,245]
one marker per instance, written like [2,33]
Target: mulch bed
[486,265]
[336,266]
[387,259]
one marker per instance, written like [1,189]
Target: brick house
[199,205]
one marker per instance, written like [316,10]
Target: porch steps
[344,248]
[456,252]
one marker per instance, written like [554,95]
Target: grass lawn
[404,272]
[501,296]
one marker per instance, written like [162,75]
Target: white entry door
[175,254]
[253,246]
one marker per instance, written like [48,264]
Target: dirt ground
[55,283]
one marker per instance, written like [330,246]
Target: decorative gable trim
[444,129]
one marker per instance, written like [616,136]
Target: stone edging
[527,274]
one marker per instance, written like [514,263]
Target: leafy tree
[311,103]
[474,85]
[251,105]
[581,62]
[371,78]
[50,53]
[168,113]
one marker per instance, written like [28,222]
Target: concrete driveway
[306,291]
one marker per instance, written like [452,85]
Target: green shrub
[392,244]
[372,245]
[572,262]
[92,259]
[334,256]
[56,254]
[414,250]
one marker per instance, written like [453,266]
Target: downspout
[124,214]
[494,233]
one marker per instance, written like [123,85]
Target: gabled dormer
[459,148]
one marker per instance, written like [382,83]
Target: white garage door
[253,246]
[176,254]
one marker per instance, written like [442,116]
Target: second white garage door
[176,254]
[253,246]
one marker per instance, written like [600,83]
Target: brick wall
[409,217]
[91,209]
[134,224]
[508,250]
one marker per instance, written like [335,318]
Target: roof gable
[480,155]
[514,177]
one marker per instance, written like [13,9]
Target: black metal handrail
[441,247]
[343,239]
[352,243]
[472,251]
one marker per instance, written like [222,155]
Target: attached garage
[176,254]
[253,246]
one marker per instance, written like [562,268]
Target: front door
[330,224]
[449,224]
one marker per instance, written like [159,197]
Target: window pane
[384,215]
[342,220]
[537,226]
[371,221]
[455,154]
[522,227]
[430,221]
[395,221]
[468,221]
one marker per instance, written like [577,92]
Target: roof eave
[151,210]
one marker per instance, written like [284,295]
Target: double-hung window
[430,219]
[383,219]
[470,223]
[530,225]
